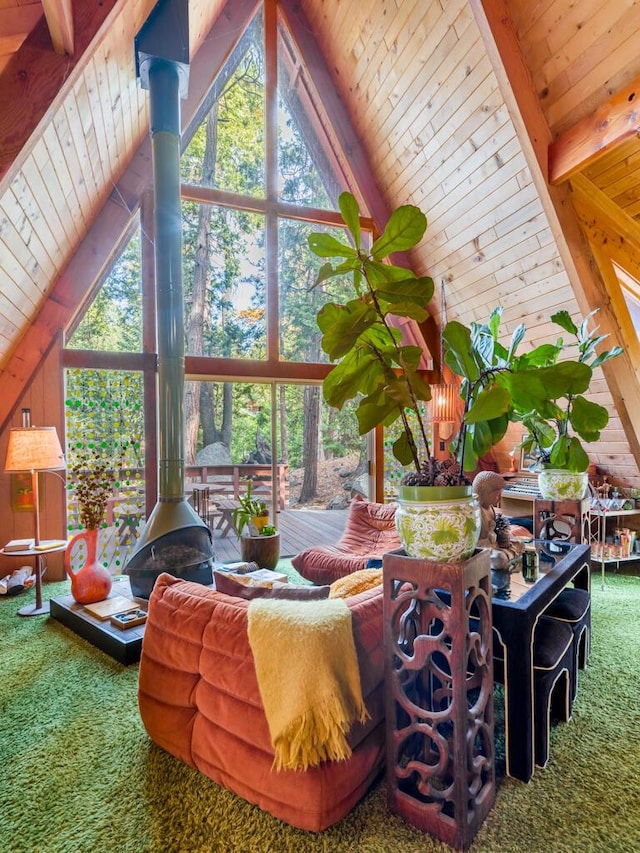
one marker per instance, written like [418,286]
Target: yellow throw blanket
[308,676]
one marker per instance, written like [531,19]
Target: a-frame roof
[456,106]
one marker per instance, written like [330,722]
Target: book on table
[103,610]
[18,545]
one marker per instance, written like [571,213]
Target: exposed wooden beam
[16,24]
[611,124]
[33,79]
[533,131]
[59,15]
[595,207]
[75,283]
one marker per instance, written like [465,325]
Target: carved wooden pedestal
[439,694]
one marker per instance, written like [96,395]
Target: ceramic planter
[438,523]
[556,484]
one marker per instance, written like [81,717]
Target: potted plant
[259,540]
[558,418]
[374,366]
[497,383]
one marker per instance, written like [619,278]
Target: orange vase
[92,582]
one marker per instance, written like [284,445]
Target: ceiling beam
[59,15]
[615,121]
[524,107]
[76,282]
[35,77]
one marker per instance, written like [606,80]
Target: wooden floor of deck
[299,529]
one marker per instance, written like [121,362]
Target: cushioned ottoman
[369,533]
[199,700]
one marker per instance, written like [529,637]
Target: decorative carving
[439,688]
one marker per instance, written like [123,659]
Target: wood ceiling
[456,103]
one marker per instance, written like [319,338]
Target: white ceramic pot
[440,524]
[556,484]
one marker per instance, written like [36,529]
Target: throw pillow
[355,582]
[230,586]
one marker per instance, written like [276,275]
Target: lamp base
[33,610]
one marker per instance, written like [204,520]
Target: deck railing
[230,481]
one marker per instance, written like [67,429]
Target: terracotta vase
[92,582]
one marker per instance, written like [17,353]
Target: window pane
[300,301]
[227,149]
[305,156]
[113,321]
[224,282]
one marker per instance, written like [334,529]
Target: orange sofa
[369,533]
[199,699]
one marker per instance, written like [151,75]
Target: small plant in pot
[261,541]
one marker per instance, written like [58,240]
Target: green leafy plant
[551,403]
[248,508]
[376,368]
[536,388]
[498,384]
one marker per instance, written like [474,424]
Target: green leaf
[516,340]
[342,325]
[488,404]
[458,355]
[588,418]
[345,381]
[326,246]
[405,228]
[563,319]
[605,356]
[418,290]
[402,450]
[371,413]
[351,215]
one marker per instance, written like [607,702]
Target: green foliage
[536,388]
[248,508]
[373,366]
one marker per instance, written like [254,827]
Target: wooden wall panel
[578,53]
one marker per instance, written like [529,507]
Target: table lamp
[32,449]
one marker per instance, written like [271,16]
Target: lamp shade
[34,449]
[442,408]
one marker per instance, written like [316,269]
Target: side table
[52,546]
[439,694]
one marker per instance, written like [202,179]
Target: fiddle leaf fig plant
[372,362]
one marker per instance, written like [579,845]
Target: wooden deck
[299,529]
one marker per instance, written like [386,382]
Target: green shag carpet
[79,775]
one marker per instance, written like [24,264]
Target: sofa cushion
[354,583]
[230,586]
[199,699]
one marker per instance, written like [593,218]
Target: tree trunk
[195,320]
[310,446]
[284,439]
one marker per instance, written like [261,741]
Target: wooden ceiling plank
[438,147]
[67,187]
[97,118]
[29,235]
[59,15]
[63,230]
[34,80]
[611,124]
